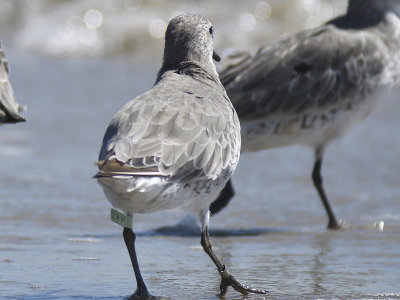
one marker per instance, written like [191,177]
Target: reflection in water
[323,248]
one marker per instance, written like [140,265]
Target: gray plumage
[185,126]
[307,79]
[176,145]
[9,108]
[311,71]
[310,87]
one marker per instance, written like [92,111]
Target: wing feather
[180,132]
[315,68]
[113,167]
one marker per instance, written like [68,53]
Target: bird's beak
[216,57]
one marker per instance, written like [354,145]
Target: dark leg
[226,278]
[141,290]
[317,179]
[223,199]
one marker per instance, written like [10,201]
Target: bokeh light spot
[93,19]
[247,22]
[262,11]
[157,28]
[325,11]
[74,24]
[312,22]
[133,4]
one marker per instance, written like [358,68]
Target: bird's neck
[190,67]
[373,9]
[364,13]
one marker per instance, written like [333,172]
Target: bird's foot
[228,280]
[334,224]
[144,295]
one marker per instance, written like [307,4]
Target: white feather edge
[109,168]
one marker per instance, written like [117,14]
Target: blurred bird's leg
[223,199]
[318,183]
[226,278]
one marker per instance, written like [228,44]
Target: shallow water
[57,242]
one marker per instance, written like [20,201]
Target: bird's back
[298,85]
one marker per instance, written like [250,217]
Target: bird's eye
[210,30]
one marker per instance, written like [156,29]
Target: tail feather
[113,167]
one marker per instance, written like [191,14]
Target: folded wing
[313,69]
[184,135]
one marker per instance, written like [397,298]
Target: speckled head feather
[189,38]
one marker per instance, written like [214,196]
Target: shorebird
[311,87]
[9,108]
[176,145]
